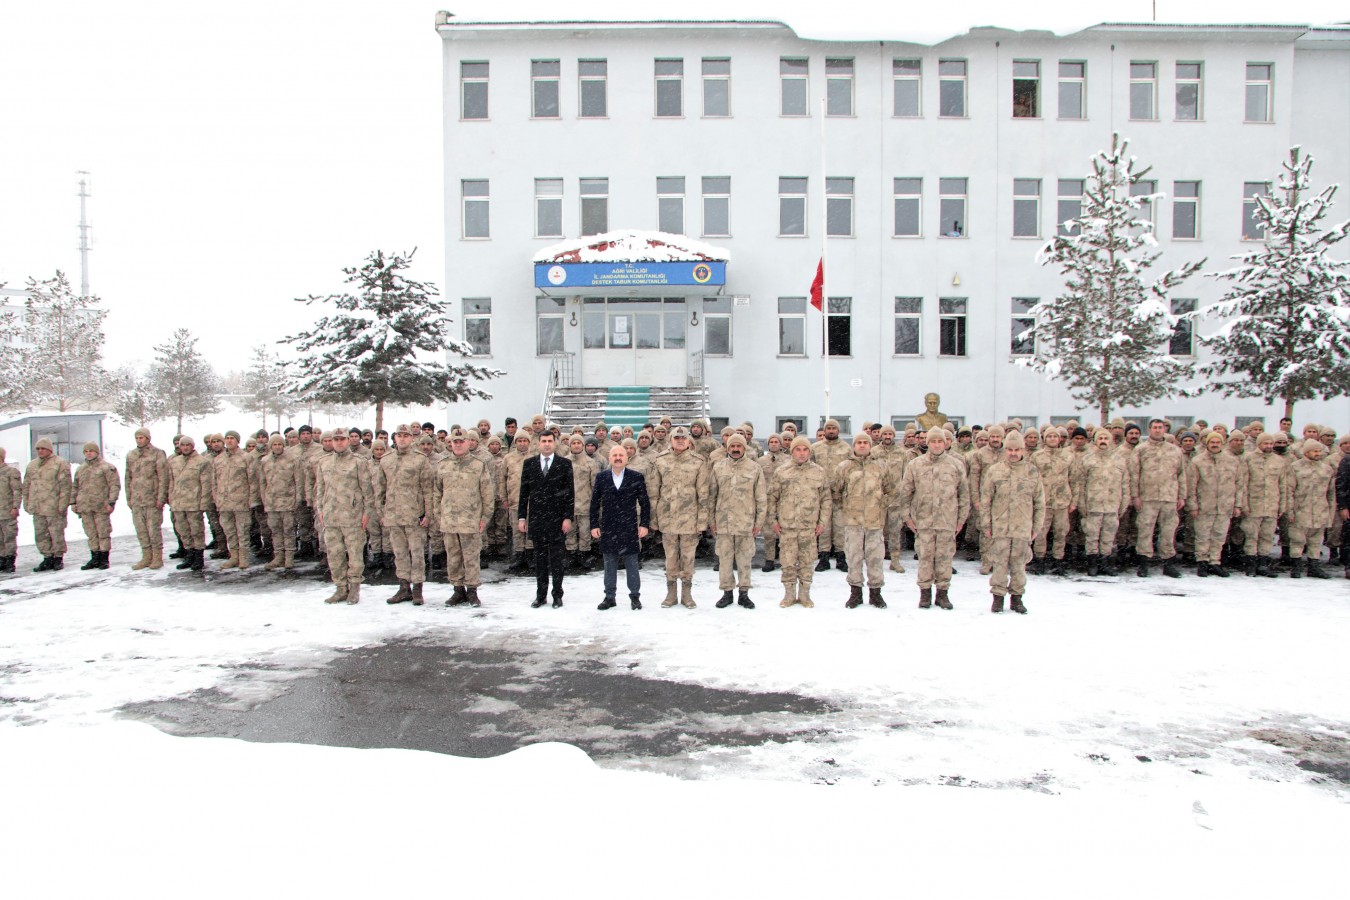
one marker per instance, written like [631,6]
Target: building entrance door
[634,341]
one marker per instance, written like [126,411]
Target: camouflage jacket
[190,482]
[1012,501]
[405,483]
[345,490]
[96,486]
[147,477]
[678,488]
[281,481]
[736,496]
[799,497]
[46,487]
[935,493]
[462,494]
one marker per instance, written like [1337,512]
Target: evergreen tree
[1287,308]
[1107,334]
[135,400]
[184,382]
[264,383]
[13,377]
[62,348]
[385,344]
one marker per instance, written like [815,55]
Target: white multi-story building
[945,169]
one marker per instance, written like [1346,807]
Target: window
[1027,421]
[1022,336]
[1026,89]
[845,423]
[952,88]
[791,326]
[792,207]
[1240,422]
[1259,76]
[839,87]
[792,75]
[674,319]
[594,90]
[717,326]
[1026,207]
[908,325]
[1069,206]
[544,88]
[1188,91]
[670,205]
[907,76]
[549,324]
[908,206]
[1252,229]
[716,206]
[1143,90]
[1144,188]
[716,88]
[952,326]
[478,325]
[670,88]
[594,205]
[1182,342]
[594,323]
[473,90]
[1072,89]
[781,422]
[839,207]
[475,199]
[951,207]
[548,201]
[838,326]
[1185,210]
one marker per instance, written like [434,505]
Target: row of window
[907,75]
[660,324]
[953,205]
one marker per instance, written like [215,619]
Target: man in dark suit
[621,514]
[545,514]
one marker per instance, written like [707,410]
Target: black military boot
[1036,566]
[926,598]
[103,558]
[1094,565]
[198,560]
[997,605]
[1249,566]
[93,561]
[1015,604]
[1059,567]
[1170,567]
[1265,567]
[854,597]
[44,566]
[222,551]
[58,563]
[725,600]
[874,598]
[743,599]
[1315,569]
[189,556]
[840,562]
[607,603]
[1218,570]
[180,553]
[1202,569]
[1142,571]
[1296,567]
[635,603]
[823,563]
[470,595]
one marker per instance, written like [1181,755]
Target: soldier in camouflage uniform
[988,455]
[1266,502]
[147,490]
[11,498]
[578,540]
[738,503]
[280,484]
[497,535]
[215,446]
[1127,533]
[702,442]
[799,509]
[1312,503]
[934,503]
[377,537]
[1160,490]
[1012,511]
[463,499]
[93,495]
[678,484]
[236,493]
[191,478]
[1101,490]
[46,497]
[508,493]
[774,456]
[1216,494]
[828,453]
[861,490]
[346,496]
[308,453]
[404,494]
[1053,462]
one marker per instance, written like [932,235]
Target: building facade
[945,169]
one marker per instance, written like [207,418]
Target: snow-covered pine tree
[135,400]
[1286,334]
[385,344]
[265,385]
[63,346]
[184,382]
[13,377]
[1107,334]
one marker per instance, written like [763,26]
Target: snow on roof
[631,246]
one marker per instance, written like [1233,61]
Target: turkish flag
[818,287]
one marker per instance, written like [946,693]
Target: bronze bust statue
[931,417]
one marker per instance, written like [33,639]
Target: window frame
[584,78]
[899,77]
[714,196]
[544,312]
[1080,80]
[834,198]
[718,309]
[583,196]
[477,316]
[660,78]
[833,80]
[797,316]
[948,77]
[466,199]
[1149,81]
[664,194]
[1034,80]
[827,330]
[1193,200]
[898,197]
[1249,201]
[785,78]
[803,197]
[540,79]
[916,316]
[1148,211]
[466,80]
[1249,82]
[959,320]
[1183,328]
[1061,198]
[1018,319]
[540,198]
[1198,81]
[1021,199]
[709,78]
[944,197]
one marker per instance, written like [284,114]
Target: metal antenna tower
[84,234]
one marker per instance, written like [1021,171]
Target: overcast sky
[242,153]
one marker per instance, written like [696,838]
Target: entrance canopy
[626,259]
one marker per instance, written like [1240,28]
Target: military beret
[90,445]
[680,432]
[43,444]
[736,439]
[800,441]
[232,433]
[143,431]
[1014,441]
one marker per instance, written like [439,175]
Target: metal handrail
[559,376]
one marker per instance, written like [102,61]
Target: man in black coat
[621,514]
[545,514]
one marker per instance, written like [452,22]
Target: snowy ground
[1185,737]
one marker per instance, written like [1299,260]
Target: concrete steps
[628,405]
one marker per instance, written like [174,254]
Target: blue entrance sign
[629,274]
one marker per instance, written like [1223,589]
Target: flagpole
[824,266]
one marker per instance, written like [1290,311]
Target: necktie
[546,461]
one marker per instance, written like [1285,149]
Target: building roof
[631,246]
[47,415]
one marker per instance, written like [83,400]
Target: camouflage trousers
[579,538]
[498,531]
[217,527]
[1058,520]
[260,526]
[734,552]
[281,522]
[1128,528]
[9,536]
[833,539]
[1210,532]
[304,522]
[1186,536]
[149,521]
[98,530]
[234,525]
[1009,557]
[49,533]
[191,530]
[1259,535]
[377,537]
[895,533]
[346,554]
[1099,533]
[409,544]
[680,555]
[461,557]
[1159,515]
[865,545]
[936,549]
[797,552]
[770,545]
[1305,542]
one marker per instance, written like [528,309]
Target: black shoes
[725,600]
[607,603]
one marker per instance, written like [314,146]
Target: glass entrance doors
[634,341]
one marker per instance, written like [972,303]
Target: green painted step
[628,405]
